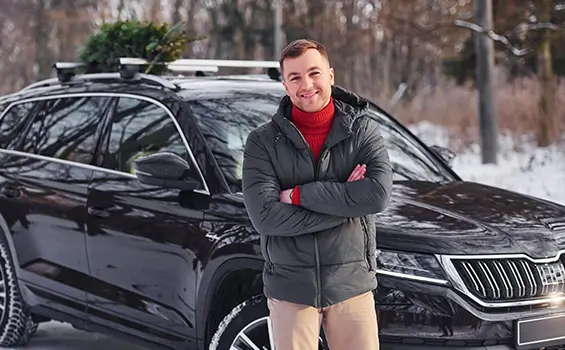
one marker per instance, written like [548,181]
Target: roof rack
[128,66]
[139,77]
[189,64]
[207,65]
[129,69]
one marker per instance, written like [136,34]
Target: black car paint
[197,239]
[445,219]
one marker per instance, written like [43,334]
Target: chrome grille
[511,279]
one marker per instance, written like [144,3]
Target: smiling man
[312,178]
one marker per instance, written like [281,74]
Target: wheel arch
[5,230]
[27,295]
[216,276]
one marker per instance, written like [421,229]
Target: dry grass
[455,108]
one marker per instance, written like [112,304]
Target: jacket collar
[348,106]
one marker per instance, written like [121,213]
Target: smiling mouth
[309,95]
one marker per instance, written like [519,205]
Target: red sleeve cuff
[296,196]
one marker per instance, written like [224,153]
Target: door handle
[101,213]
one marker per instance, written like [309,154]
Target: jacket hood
[349,102]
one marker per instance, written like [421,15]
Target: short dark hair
[299,47]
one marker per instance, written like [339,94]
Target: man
[312,177]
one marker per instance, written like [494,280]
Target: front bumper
[414,315]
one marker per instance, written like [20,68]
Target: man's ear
[331,76]
[285,87]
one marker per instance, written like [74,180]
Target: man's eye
[315,73]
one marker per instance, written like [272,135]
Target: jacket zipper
[316,248]
[318,273]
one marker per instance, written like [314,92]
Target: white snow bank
[521,167]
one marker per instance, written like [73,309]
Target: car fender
[212,276]
[5,232]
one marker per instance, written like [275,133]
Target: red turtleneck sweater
[315,128]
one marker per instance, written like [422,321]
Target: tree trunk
[121,7]
[176,12]
[155,11]
[547,81]
[43,55]
[485,69]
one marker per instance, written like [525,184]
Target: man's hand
[285,196]
[358,173]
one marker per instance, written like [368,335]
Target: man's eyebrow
[309,70]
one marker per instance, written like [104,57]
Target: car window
[11,124]
[409,159]
[226,123]
[65,128]
[140,128]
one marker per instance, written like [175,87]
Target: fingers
[358,173]
[354,173]
[362,171]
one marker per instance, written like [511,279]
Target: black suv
[121,212]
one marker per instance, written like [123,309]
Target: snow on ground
[533,171]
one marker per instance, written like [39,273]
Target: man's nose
[307,83]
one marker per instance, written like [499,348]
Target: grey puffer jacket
[323,251]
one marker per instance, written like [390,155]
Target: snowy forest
[423,48]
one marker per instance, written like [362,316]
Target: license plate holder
[538,332]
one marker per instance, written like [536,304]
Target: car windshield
[226,123]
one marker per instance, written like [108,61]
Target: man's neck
[306,121]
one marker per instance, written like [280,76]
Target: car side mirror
[165,169]
[446,154]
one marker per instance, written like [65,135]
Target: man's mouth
[309,95]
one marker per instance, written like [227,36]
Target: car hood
[469,218]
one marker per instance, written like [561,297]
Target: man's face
[308,80]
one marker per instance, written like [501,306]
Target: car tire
[243,317]
[16,324]
[240,317]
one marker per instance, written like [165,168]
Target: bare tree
[485,71]
[532,32]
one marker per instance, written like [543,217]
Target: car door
[141,238]
[43,187]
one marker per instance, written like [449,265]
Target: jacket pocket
[370,249]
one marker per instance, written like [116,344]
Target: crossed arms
[323,205]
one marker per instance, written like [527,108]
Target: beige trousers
[349,325]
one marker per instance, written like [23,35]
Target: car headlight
[420,267]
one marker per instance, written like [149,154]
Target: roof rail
[115,77]
[207,65]
[129,69]
[189,64]
[130,65]
[126,61]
